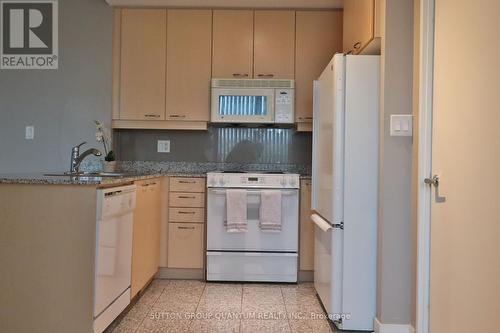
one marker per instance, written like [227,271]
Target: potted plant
[103,135]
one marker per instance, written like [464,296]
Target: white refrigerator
[345,189]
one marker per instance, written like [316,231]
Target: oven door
[218,239]
[242,105]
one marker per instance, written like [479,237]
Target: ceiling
[230,3]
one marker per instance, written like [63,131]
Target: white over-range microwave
[253,101]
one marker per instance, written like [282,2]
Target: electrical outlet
[29,133]
[164,146]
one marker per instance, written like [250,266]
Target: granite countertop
[43,179]
[140,170]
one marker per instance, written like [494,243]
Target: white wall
[395,249]
[62,103]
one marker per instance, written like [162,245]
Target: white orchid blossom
[103,135]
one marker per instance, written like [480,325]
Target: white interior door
[465,229]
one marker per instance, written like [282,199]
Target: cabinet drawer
[186,199]
[180,184]
[185,245]
[186,215]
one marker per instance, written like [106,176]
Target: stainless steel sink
[87,174]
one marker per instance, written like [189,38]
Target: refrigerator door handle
[321,223]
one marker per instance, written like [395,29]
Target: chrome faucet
[77,158]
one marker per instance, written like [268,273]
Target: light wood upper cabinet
[142,68]
[318,38]
[232,44]
[274,44]
[146,234]
[189,50]
[362,26]
[306,228]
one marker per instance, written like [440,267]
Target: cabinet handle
[265,75]
[187,182]
[306,118]
[240,75]
[357,45]
[177,116]
[152,116]
[186,228]
[183,212]
[185,197]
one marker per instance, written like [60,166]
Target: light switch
[29,133]
[164,146]
[401,125]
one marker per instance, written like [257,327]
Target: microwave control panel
[284,105]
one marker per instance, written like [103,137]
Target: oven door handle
[252,192]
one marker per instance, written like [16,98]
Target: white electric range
[253,255]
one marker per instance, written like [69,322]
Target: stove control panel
[253,180]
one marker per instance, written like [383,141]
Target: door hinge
[338,226]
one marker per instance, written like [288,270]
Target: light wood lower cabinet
[179,184]
[306,228]
[186,199]
[185,244]
[196,215]
[186,223]
[146,234]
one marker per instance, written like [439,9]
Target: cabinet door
[232,44]
[358,24]
[146,234]
[142,73]
[185,245]
[306,228]
[189,50]
[318,38]
[274,44]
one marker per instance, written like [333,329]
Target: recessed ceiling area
[230,3]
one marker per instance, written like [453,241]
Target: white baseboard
[392,328]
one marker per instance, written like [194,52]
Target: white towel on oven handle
[236,211]
[270,211]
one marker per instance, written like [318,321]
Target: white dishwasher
[115,209]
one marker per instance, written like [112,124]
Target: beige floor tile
[264,287]
[311,325]
[220,299]
[264,326]
[164,325]
[261,305]
[125,325]
[215,325]
[302,303]
[138,311]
